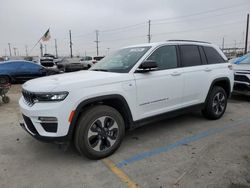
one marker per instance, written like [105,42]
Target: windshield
[243,60]
[121,61]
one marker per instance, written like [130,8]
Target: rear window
[190,55]
[212,55]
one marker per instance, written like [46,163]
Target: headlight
[44,97]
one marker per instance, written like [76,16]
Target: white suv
[132,86]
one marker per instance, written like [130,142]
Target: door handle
[176,74]
[207,69]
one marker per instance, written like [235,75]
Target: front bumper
[241,88]
[46,131]
[57,140]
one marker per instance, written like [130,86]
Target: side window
[165,57]
[190,55]
[203,56]
[213,56]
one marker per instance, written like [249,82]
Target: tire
[99,132]
[216,103]
[4,80]
[89,66]
[6,99]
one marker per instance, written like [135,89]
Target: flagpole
[35,45]
[37,42]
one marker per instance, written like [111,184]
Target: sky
[119,22]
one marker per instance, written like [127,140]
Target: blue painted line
[169,147]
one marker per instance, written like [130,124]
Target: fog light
[47,119]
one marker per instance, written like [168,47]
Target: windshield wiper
[105,70]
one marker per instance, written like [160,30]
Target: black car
[20,70]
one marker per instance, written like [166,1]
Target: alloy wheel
[219,103]
[103,133]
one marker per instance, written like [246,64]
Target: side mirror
[147,66]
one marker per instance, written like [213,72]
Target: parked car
[70,65]
[129,88]
[241,66]
[97,58]
[87,62]
[49,60]
[21,70]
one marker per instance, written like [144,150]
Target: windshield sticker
[137,50]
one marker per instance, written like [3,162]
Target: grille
[241,78]
[28,97]
[47,62]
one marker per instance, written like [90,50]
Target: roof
[202,43]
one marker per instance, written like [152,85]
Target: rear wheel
[6,99]
[216,103]
[99,132]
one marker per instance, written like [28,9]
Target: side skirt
[166,115]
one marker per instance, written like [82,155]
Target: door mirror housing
[147,66]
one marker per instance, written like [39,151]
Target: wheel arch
[116,101]
[11,79]
[223,82]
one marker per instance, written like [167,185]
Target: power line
[195,19]
[174,32]
[197,29]
[125,27]
[200,13]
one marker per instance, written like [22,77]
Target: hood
[63,82]
[241,67]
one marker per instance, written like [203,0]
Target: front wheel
[216,103]
[99,132]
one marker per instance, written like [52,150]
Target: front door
[160,90]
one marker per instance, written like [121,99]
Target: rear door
[195,74]
[161,90]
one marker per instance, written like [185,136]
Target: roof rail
[188,41]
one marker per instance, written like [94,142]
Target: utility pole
[70,44]
[223,43]
[14,51]
[56,48]
[26,50]
[9,49]
[246,40]
[45,48]
[235,48]
[149,31]
[97,42]
[41,49]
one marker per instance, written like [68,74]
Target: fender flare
[95,100]
[218,80]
